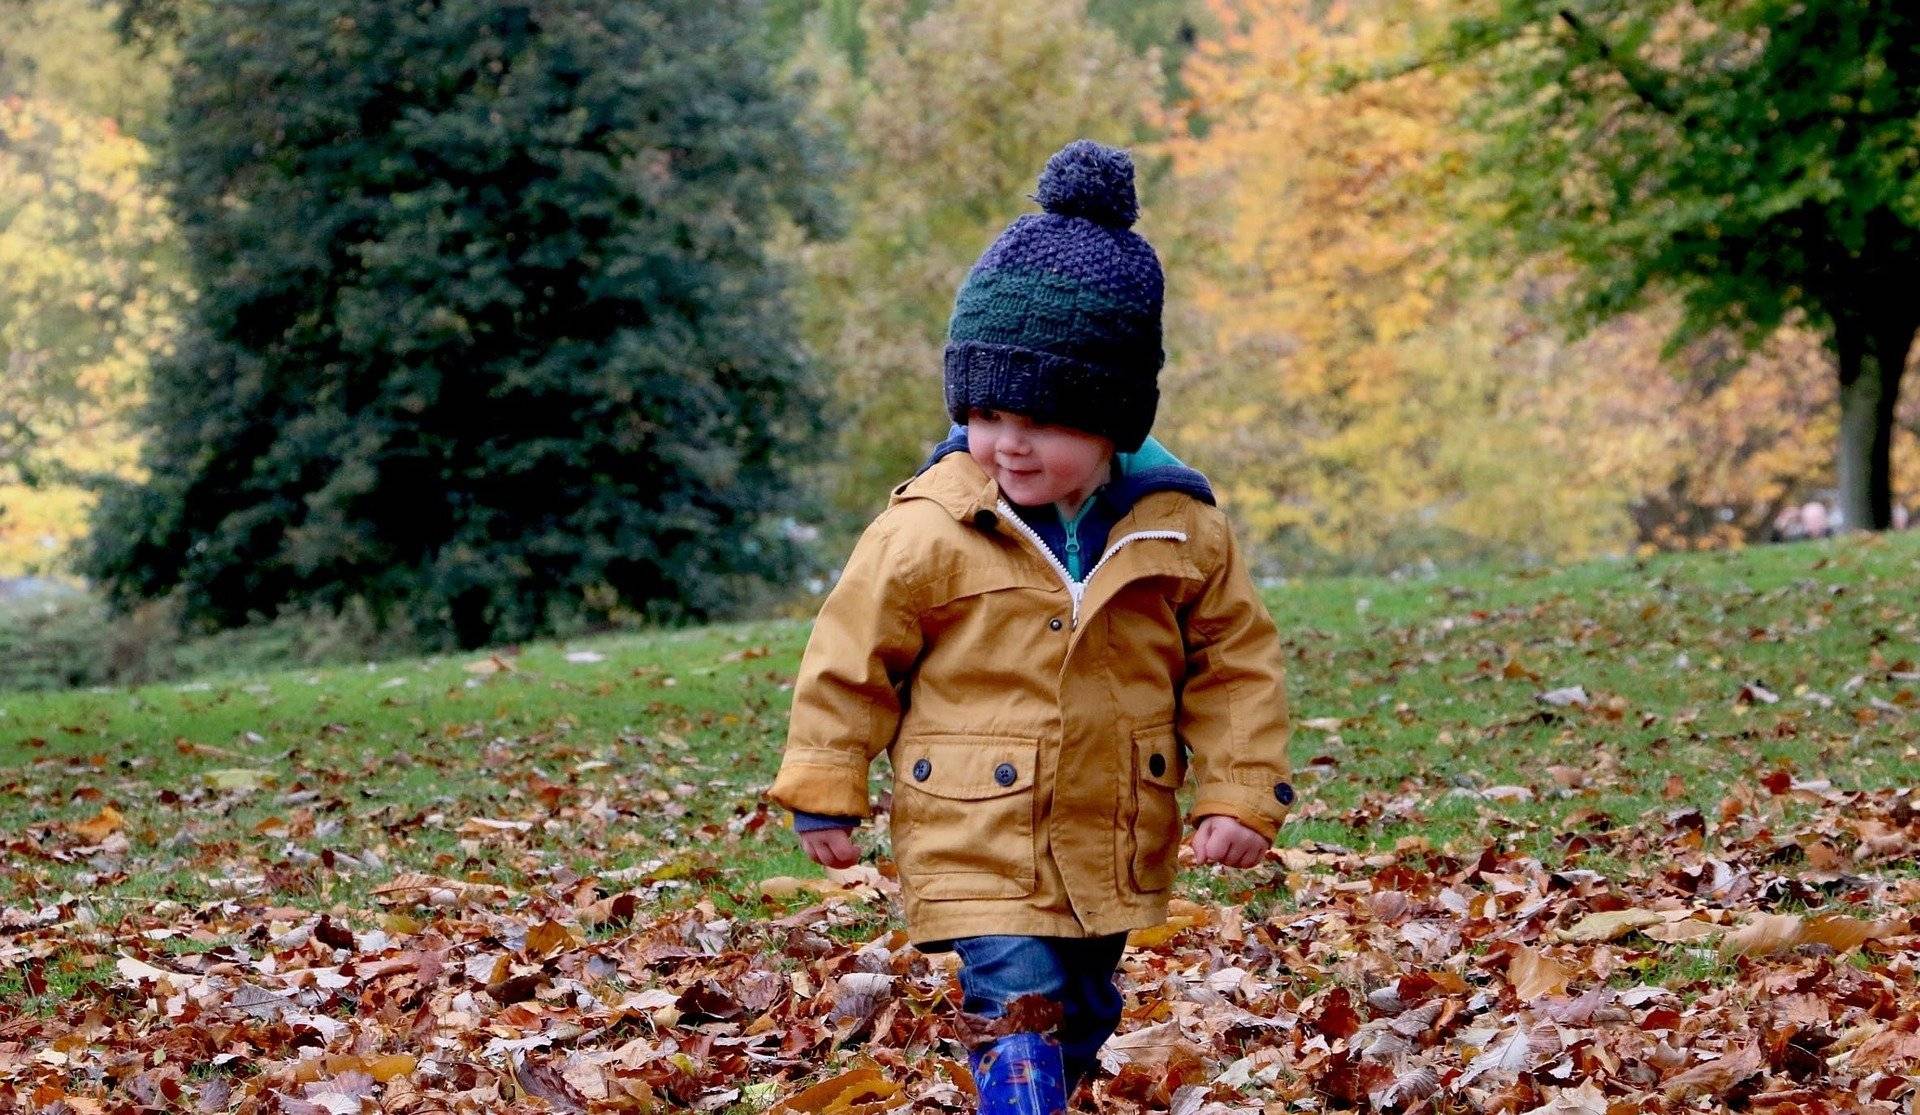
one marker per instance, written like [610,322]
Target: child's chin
[1025,494]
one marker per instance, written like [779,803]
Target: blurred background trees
[1757,161]
[487,335]
[505,318]
[91,281]
[946,119]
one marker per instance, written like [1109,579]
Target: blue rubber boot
[1020,1074]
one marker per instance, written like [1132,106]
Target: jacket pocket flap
[1156,755]
[966,768]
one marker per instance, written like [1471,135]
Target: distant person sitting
[1786,525]
[1815,521]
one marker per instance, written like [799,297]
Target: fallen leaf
[238,779]
[102,825]
[433,890]
[1841,933]
[1762,936]
[1518,1050]
[1715,1078]
[1583,1100]
[863,1090]
[1610,925]
[1534,974]
[550,937]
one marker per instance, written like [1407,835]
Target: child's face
[1035,463]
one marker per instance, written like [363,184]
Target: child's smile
[1037,463]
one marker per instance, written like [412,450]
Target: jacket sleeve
[1233,705]
[847,699]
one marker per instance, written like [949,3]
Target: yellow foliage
[88,298]
[1368,396]
[948,122]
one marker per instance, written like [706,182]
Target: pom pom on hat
[1091,180]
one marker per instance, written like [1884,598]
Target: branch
[1636,79]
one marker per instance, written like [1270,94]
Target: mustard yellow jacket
[1038,729]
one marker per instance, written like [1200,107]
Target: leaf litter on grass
[1671,893]
[1416,979]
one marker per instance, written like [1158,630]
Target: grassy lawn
[590,814]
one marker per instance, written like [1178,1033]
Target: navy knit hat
[1060,319]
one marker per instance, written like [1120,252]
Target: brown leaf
[1764,935]
[1715,1078]
[1520,1049]
[1610,925]
[863,1090]
[1686,929]
[102,825]
[550,937]
[1841,933]
[1534,974]
[545,1081]
[1407,1088]
[433,890]
[1583,1100]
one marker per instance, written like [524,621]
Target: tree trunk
[1873,356]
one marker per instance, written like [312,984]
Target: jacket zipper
[1076,590]
[1072,531]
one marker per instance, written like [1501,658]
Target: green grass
[64,974]
[1415,695]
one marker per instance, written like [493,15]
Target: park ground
[1628,835]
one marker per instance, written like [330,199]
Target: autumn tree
[91,281]
[488,336]
[1754,159]
[1353,386]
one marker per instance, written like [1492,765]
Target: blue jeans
[1077,973]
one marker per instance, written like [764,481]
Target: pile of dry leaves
[1764,960]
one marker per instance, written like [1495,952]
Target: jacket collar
[957,483]
[953,479]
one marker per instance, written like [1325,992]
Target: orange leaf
[104,824]
[1764,935]
[859,1091]
[1841,933]
[1534,974]
[550,937]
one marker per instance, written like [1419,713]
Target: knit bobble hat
[1060,319]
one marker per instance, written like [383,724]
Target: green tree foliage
[488,336]
[1165,28]
[1756,158]
[948,124]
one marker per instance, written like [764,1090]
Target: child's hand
[1226,841]
[830,847]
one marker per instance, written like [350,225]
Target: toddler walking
[1044,629]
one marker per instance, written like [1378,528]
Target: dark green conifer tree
[487,333]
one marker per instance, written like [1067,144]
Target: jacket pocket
[963,815]
[1158,770]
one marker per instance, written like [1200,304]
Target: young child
[1042,629]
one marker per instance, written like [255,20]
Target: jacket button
[1283,793]
[1005,774]
[1055,623]
[1157,765]
[922,770]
